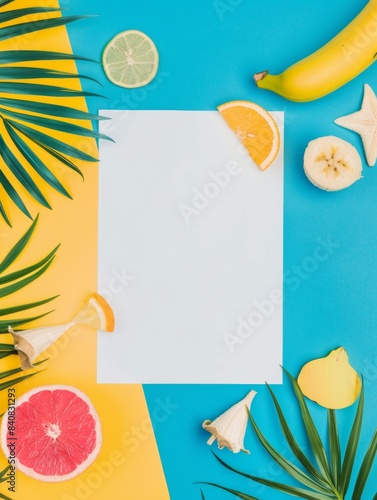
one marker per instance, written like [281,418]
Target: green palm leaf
[14,323]
[50,109]
[3,212]
[23,307]
[28,73]
[11,15]
[365,469]
[20,56]
[334,446]
[49,142]
[234,492]
[18,279]
[16,275]
[4,497]
[319,485]
[20,173]
[60,125]
[35,162]
[293,443]
[292,490]
[311,431]
[32,26]
[17,248]
[352,444]
[14,196]
[37,118]
[290,468]
[5,2]
[43,90]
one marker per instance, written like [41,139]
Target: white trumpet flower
[229,428]
[96,313]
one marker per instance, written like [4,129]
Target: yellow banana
[343,58]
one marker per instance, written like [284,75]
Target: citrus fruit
[130,59]
[57,433]
[96,313]
[256,129]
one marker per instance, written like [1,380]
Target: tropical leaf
[35,162]
[27,73]
[285,488]
[236,493]
[53,124]
[26,123]
[11,15]
[21,56]
[353,441]
[56,110]
[334,445]
[365,469]
[311,431]
[16,280]
[332,480]
[293,443]
[32,26]
[289,467]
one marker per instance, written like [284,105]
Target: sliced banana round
[331,163]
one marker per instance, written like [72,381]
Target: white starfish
[364,122]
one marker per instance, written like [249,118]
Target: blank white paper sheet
[190,252]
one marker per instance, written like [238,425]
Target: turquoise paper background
[209,51]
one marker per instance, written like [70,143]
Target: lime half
[130,59]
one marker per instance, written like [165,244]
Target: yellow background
[124,469]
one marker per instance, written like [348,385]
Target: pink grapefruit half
[58,433]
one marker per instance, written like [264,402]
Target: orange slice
[256,129]
[97,314]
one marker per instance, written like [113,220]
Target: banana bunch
[332,66]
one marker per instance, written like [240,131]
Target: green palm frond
[27,126]
[329,478]
[12,282]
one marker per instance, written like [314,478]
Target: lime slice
[130,59]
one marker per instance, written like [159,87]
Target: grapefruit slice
[255,128]
[97,314]
[58,433]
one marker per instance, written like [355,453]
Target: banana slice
[331,163]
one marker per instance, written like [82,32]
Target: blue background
[208,53]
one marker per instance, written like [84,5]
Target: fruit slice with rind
[332,164]
[58,433]
[255,128]
[96,313]
[330,381]
[130,59]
